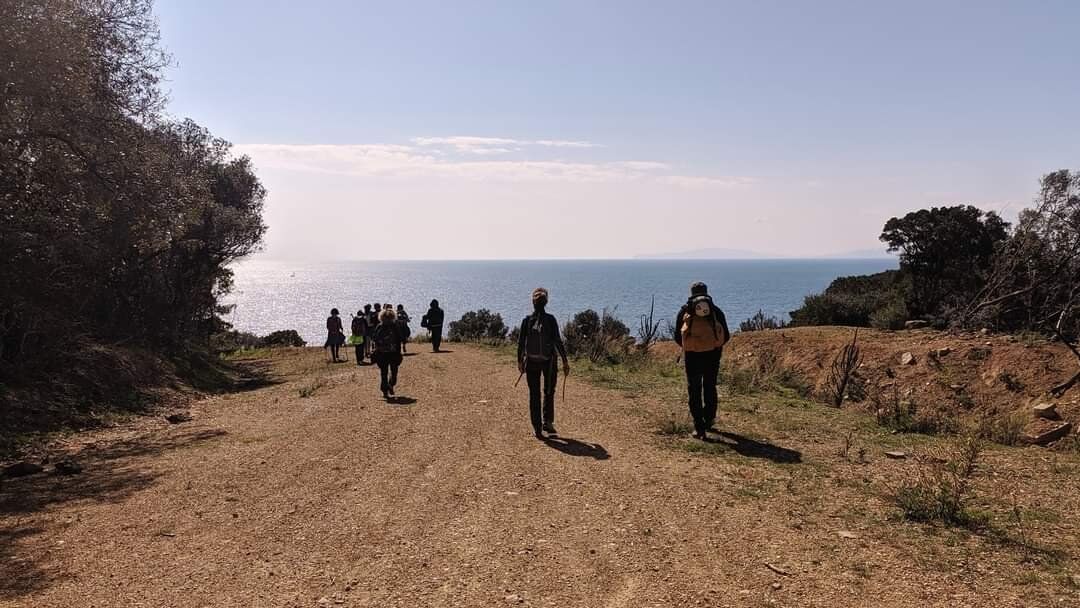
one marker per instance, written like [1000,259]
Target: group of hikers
[701,332]
[380,334]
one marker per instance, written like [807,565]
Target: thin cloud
[491,145]
[401,162]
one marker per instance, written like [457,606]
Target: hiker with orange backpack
[701,330]
[538,343]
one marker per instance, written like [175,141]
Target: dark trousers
[436,338]
[702,371]
[549,372]
[359,354]
[388,369]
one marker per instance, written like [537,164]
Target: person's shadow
[400,400]
[573,447]
[756,449]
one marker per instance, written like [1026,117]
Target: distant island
[742,254]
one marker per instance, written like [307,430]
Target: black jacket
[549,332]
[718,319]
[388,335]
[433,318]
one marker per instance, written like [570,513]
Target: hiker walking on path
[433,322]
[403,322]
[387,341]
[335,334]
[701,331]
[538,343]
[372,322]
[359,335]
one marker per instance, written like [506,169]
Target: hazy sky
[527,129]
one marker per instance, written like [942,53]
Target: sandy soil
[270,498]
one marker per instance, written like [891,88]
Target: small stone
[1046,410]
[514,598]
[847,534]
[22,469]
[896,455]
[777,586]
[943,351]
[178,418]
[915,324]
[907,359]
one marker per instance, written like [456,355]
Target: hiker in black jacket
[433,322]
[387,343]
[359,335]
[701,330]
[538,342]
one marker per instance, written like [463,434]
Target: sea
[272,295]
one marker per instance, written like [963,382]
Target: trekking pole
[519,379]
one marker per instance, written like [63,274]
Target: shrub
[860,301]
[478,326]
[941,487]
[598,337]
[760,322]
[283,337]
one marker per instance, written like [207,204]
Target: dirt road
[271,498]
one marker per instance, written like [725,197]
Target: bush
[597,337]
[760,322]
[284,337]
[860,301]
[478,326]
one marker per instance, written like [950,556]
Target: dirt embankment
[967,376]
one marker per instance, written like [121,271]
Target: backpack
[359,324]
[385,339]
[536,347]
[713,315]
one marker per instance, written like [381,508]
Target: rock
[943,351]
[1049,436]
[984,332]
[1046,410]
[178,418]
[895,455]
[68,467]
[907,359]
[777,586]
[847,534]
[22,469]
[915,324]
[514,599]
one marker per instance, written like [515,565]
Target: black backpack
[359,324]
[536,347]
[386,339]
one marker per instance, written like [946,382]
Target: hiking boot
[391,389]
[538,434]
[550,429]
[701,435]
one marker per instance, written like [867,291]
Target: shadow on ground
[757,449]
[110,474]
[573,447]
[400,400]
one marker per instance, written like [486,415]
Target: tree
[1035,281]
[947,251]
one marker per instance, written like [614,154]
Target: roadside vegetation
[118,222]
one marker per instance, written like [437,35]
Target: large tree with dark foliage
[948,253]
[117,225]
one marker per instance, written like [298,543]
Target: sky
[611,129]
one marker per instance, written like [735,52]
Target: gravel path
[268,498]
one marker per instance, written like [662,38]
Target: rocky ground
[313,491]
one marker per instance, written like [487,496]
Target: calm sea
[280,295]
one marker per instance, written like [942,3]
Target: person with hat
[538,343]
[701,330]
